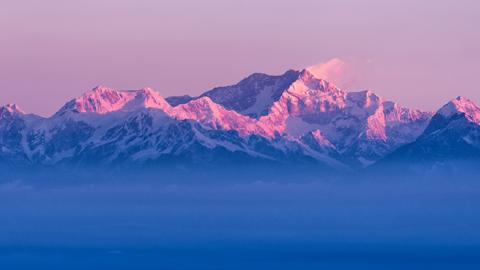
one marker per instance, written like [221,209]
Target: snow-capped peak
[146,98]
[461,105]
[308,82]
[206,111]
[307,76]
[10,110]
[102,99]
[201,107]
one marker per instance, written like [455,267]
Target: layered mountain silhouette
[293,119]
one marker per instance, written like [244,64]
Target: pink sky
[419,53]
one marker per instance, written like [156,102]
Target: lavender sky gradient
[419,53]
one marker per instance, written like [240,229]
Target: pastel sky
[419,53]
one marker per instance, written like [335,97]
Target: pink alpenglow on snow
[10,109]
[296,114]
[295,104]
[102,100]
[462,105]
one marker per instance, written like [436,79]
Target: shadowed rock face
[252,96]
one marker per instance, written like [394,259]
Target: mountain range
[294,119]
